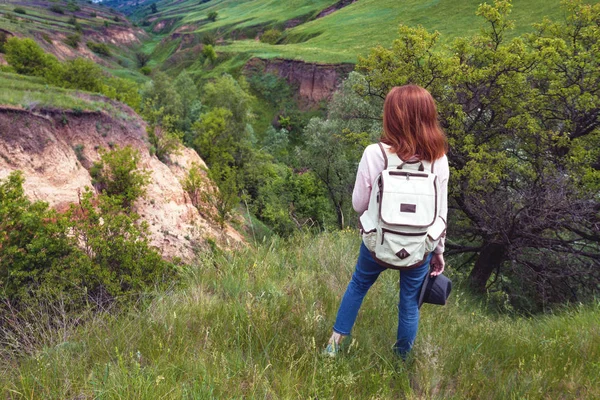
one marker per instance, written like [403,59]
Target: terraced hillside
[70,29]
[324,31]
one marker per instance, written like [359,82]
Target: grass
[345,34]
[29,92]
[252,324]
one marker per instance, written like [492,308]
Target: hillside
[70,29]
[252,324]
[54,136]
[317,32]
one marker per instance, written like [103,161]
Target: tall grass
[252,324]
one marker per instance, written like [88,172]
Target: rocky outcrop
[55,148]
[314,82]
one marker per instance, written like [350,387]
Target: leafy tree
[79,73]
[165,140]
[99,48]
[214,139]
[153,8]
[522,117]
[117,175]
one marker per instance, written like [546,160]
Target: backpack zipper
[384,231]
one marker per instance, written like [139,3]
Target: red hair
[410,124]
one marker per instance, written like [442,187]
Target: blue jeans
[365,274]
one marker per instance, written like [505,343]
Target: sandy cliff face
[42,144]
[315,82]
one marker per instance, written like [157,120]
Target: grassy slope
[346,33]
[368,23]
[236,14]
[30,92]
[252,325]
[44,25]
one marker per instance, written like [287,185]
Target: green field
[343,35]
[252,324]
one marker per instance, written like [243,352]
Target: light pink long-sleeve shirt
[370,166]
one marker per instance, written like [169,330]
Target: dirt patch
[337,6]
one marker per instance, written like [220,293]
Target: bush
[209,39]
[117,175]
[164,141]
[146,70]
[73,7]
[56,9]
[27,57]
[19,10]
[99,48]
[79,73]
[3,39]
[73,40]
[209,52]
[212,16]
[95,251]
[271,36]
[142,58]
[93,14]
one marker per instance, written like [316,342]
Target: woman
[410,130]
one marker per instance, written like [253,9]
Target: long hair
[410,124]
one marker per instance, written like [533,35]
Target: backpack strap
[392,160]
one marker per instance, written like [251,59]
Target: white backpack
[402,224]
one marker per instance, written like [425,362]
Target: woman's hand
[437,264]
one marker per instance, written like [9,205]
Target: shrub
[93,14]
[56,9]
[10,16]
[99,48]
[73,7]
[209,52]
[117,175]
[46,38]
[19,10]
[209,39]
[116,18]
[3,39]
[73,40]
[153,8]
[142,58]
[212,16]
[27,57]
[79,73]
[164,141]
[146,70]
[271,36]
[95,251]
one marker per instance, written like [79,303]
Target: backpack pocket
[434,234]
[400,248]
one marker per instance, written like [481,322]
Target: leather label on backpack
[402,254]
[409,208]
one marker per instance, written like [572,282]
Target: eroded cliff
[55,149]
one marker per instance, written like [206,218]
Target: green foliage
[27,57]
[79,73]
[93,14]
[212,16]
[94,252]
[209,53]
[271,36]
[215,139]
[99,48]
[73,40]
[165,140]
[142,58]
[3,39]
[117,175]
[19,10]
[146,70]
[73,6]
[56,9]
[153,8]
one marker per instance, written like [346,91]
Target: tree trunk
[490,258]
[340,215]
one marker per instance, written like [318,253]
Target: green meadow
[252,324]
[341,36]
